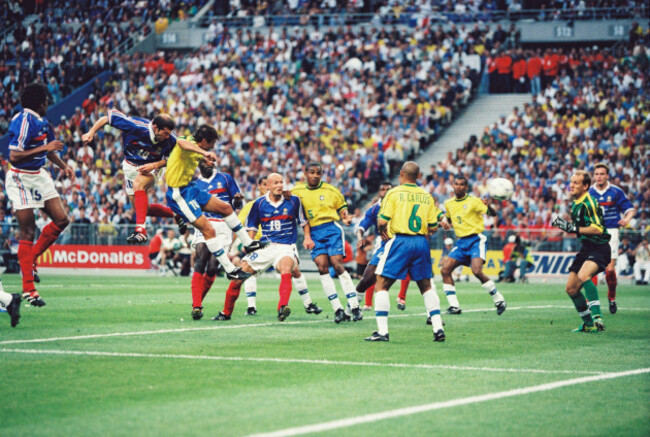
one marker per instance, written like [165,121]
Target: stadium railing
[551,240]
[411,18]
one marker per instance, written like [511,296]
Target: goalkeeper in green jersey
[594,255]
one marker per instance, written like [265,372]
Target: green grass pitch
[161,373]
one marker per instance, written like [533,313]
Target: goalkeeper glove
[565,225]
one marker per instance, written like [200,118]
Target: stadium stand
[359,100]
[69,42]
[278,109]
[585,116]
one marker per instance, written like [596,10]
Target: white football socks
[382,306]
[492,289]
[349,289]
[220,254]
[300,284]
[329,288]
[250,287]
[432,304]
[233,223]
[450,291]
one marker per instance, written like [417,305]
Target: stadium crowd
[393,11]
[71,42]
[361,103]
[280,101]
[593,115]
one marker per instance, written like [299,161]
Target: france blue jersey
[370,218]
[138,139]
[27,131]
[614,203]
[221,185]
[279,220]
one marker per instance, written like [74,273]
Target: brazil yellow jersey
[466,215]
[243,218]
[181,166]
[410,210]
[321,204]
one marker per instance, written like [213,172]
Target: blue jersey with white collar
[614,203]
[370,218]
[138,139]
[27,131]
[279,220]
[221,185]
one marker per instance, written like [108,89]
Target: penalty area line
[390,414]
[290,361]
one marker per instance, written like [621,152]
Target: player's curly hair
[33,96]
[206,132]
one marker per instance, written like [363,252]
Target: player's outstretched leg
[488,284]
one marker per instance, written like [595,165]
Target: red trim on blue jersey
[277,217]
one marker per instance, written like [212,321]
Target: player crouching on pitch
[279,219]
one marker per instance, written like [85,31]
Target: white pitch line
[210,328]
[293,361]
[390,414]
[159,331]
[255,325]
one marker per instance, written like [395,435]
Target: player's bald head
[410,171]
[275,183]
[164,121]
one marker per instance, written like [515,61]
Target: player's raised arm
[88,136]
[491,210]
[190,146]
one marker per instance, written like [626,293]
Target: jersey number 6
[415,222]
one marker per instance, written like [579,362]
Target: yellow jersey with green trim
[321,204]
[466,215]
[181,165]
[243,217]
[409,210]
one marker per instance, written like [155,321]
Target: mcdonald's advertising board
[100,257]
